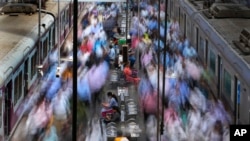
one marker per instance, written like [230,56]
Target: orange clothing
[67,74]
[118,139]
[128,75]
[121,139]
[127,71]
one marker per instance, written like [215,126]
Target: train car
[222,46]
[21,55]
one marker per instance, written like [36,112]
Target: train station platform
[89,116]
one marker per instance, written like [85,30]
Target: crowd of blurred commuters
[189,112]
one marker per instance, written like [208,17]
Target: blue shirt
[112,103]
[112,54]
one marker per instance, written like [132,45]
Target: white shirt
[120,60]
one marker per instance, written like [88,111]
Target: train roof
[223,32]
[18,35]
[230,30]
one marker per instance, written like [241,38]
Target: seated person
[115,116]
[129,74]
[107,107]
[120,136]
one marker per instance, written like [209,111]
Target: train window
[212,60]
[196,37]
[206,50]
[227,84]
[45,48]
[18,89]
[40,49]
[53,36]
[187,27]
[33,65]
[182,23]
[179,14]
[176,12]
[62,23]
[16,93]
[67,16]
[57,32]
[171,8]
[201,49]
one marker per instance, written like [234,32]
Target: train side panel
[229,78]
[17,78]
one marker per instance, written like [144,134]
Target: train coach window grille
[182,21]
[184,24]
[196,37]
[201,49]
[179,14]
[39,52]
[189,27]
[33,65]
[171,8]
[67,17]
[212,62]
[227,84]
[18,87]
[52,38]
[206,50]
[45,48]
[62,23]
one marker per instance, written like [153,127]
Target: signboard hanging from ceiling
[97,0]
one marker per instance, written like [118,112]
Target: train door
[196,38]
[26,77]
[219,71]
[243,103]
[206,51]
[8,108]
[179,14]
[237,99]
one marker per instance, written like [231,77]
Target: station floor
[85,114]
